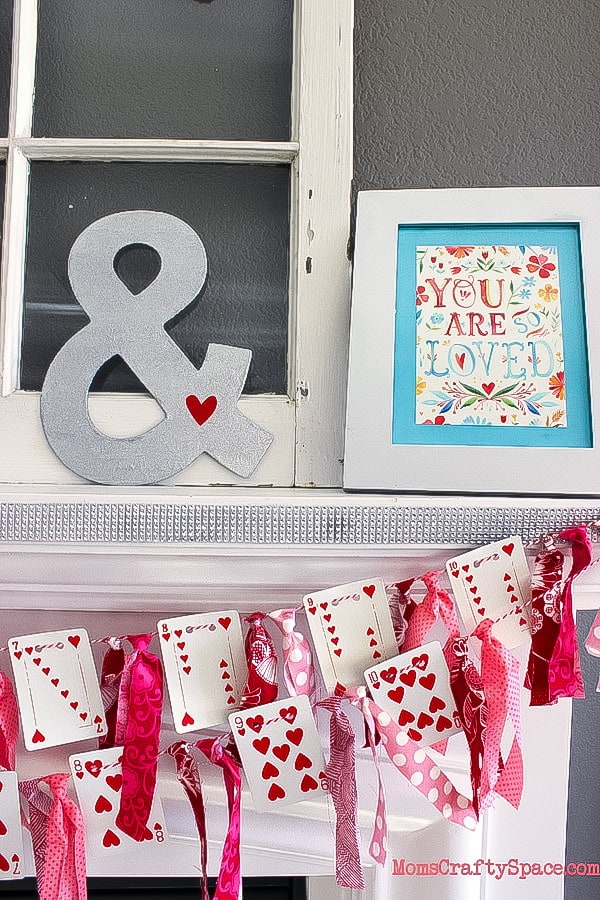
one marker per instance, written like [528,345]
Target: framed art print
[473,367]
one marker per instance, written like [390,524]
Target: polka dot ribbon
[298,667]
[140,705]
[340,774]
[437,603]
[501,686]
[9,723]
[261,685]
[416,766]
[229,880]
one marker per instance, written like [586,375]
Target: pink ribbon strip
[401,607]
[546,585]
[415,764]
[261,686]
[298,667]
[378,842]
[40,804]
[340,774]
[113,664]
[142,736]
[564,673]
[229,881]
[501,686]
[189,778]
[437,603]
[9,723]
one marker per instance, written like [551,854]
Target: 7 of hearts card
[351,628]
[57,688]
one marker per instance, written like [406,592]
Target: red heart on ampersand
[201,410]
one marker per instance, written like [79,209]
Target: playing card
[205,667]
[351,628]
[57,688]
[414,689]
[11,836]
[493,582]
[97,778]
[280,751]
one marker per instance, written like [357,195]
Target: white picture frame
[373,459]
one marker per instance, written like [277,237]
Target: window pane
[185,69]
[5,54]
[241,214]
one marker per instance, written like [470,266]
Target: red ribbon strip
[546,584]
[9,723]
[261,685]
[229,881]
[142,736]
[501,686]
[564,673]
[340,774]
[189,778]
[298,669]
[113,664]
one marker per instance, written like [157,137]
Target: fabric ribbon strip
[437,603]
[500,679]
[378,842]
[546,584]
[298,667]
[113,663]
[414,763]
[401,607]
[261,685]
[189,778]
[58,838]
[229,880]
[564,673]
[340,774]
[9,723]
[144,677]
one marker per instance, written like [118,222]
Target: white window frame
[308,422]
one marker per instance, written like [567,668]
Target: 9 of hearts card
[57,688]
[280,750]
[351,628]
[11,835]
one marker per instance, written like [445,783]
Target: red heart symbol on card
[46,670]
[522,621]
[187,720]
[282,752]
[481,610]
[94,767]
[455,572]
[396,695]
[37,661]
[38,738]
[74,704]
[54,681]
[308,783]
[201,410]
[337,652]
[83,716]
[181,644]
[424,720]
[223,664]
[408,678]
[335,641]
[74,639]
[184,657]
[114,782]
[79,774]
[369,590]
[331,629]
[488,388]
[65,694]
[414,735]
[427,681]
[370,632]
[473,590]
[228,688]
[510,588]
[230,700]
[276,792]
[327,617]
[102,804]
[302,762]
[507,577]
[389,675]
[465,568]
[110,839]
[376,654]
[3,828]
[262,744]
[225,622]
[225,676]
[187,669]
[435,704]
[295,735]
[312,609]
[405,717]
[18,654]
[508,548]
[289,714]
[178,632]
[255,723]
[166,636]
[469,578]
[324,605]
[420,662]
[29,650]
[443,723]
[97,720]
[269,771]
[4,864]
[372,642]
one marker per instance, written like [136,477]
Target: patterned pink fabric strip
[64,875]
[40,804]
[9,723]
[500,679]
[261,686]
[189,778]
[564,673]
[229,881]
[437,603]
[378,843]
[140,749]
[340,774]
[298,666]
[416,766]
[401,607]
[122,715]
[110,680]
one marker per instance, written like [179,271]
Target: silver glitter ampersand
[200,405]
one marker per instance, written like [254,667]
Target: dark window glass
[239,211]
[159,68]
[168,889]
[5,53]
